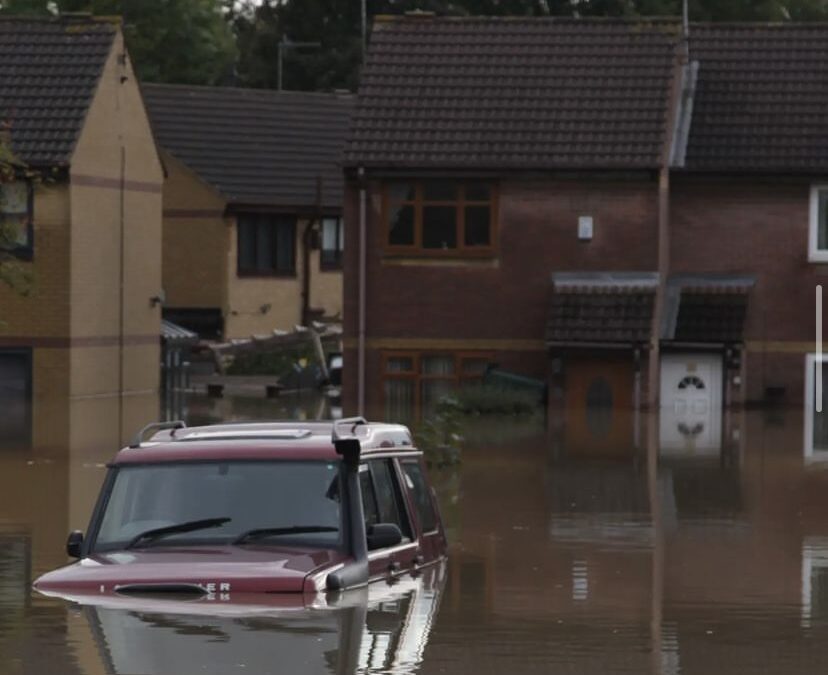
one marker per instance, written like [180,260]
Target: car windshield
[243,496]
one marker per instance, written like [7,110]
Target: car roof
[262,441]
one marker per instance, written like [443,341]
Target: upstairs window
[440,217]
[16,232]
[330,256]
[266,245]
[818,229]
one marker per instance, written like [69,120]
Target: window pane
[285,244]
[265,246]
[399,400]
[478,192]
[14,198]
[822,221]
[401,226]
[399,364]
[369,502]
[330,229]
[437,365]
[422,496]
[331,253]
[439,191]
[388,495]
[247,244]
[440,227]
[477,226]
[401,192]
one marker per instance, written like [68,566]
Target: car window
[250,495]
[416,482]
[369,500]
[389,499]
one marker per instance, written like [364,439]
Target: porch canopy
[601,309]
[616,309]
[705,308]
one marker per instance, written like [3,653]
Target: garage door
[691,403]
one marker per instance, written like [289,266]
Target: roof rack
[355,432]
[154,427]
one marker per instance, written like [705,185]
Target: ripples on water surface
[559,564]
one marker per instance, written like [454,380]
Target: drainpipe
[362,283]
[654,381]
[306,245]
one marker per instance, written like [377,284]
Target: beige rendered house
[252,206]
[88,233]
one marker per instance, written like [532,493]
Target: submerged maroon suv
[278,508]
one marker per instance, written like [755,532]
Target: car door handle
[394,566]
[417,560]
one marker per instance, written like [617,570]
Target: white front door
[691,404]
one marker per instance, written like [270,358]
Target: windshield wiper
[189,526]
[261,532]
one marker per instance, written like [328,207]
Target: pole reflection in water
[380,629]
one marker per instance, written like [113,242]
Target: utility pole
[364,24]
[284,44]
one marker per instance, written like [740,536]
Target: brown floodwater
[565,558]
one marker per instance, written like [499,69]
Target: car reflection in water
[381,628]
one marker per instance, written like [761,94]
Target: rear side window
[389,500]
[369,498]
[422,497]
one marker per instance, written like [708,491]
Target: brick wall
[498,305]
[758,227]
[116,133]
[196,240]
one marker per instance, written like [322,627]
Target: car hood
[214,570]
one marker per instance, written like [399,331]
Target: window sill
[266,275]
[442,261]
[818,257]
[330,268]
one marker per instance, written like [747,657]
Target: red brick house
[583,201]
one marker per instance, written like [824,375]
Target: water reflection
[565,558]
[383,629]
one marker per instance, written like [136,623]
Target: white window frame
[808,399]
[815,254]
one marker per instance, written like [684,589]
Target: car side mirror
[74,544]
[383,535]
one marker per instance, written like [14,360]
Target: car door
[423,505]
[382,502]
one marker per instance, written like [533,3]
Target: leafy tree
[181,41]
[336,25]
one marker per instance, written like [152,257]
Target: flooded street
[562,561]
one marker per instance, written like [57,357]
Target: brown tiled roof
[601,308]
[761,97]
[49,70]
[255,146]
[534,93]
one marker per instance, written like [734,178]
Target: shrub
[490,400]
